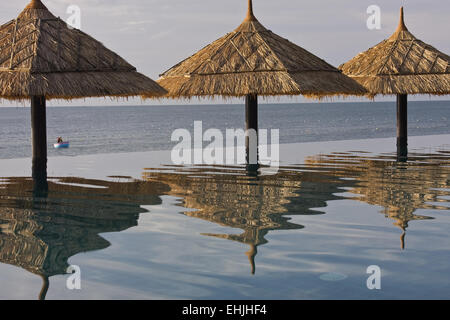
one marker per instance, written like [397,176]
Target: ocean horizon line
[187,104]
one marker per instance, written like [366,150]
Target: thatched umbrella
[401,65]
[42,58]
[252,61]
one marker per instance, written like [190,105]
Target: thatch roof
[40,55]
[254,60]
[401,64]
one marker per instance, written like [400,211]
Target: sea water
[94,130]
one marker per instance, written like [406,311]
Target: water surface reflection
[41,229]
[258,204]
[399,188]
[40,233]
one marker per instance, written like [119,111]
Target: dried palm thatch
[40,55]
[401,64]
[253,60]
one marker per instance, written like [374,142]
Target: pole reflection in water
[43,225]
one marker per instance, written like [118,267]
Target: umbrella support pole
[402,127]
[39,140]
[251,127]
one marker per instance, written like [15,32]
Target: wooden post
[251,127]
[402,127]
[39,140]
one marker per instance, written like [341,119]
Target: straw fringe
[74,85]
[261,83]
[432,84]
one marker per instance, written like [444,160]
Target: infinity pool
[139,228]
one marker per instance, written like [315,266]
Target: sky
[154,35]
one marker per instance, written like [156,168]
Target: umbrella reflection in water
[40,233]
[400,188]
[257,205]
[230,197]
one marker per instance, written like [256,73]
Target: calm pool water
[161,232]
